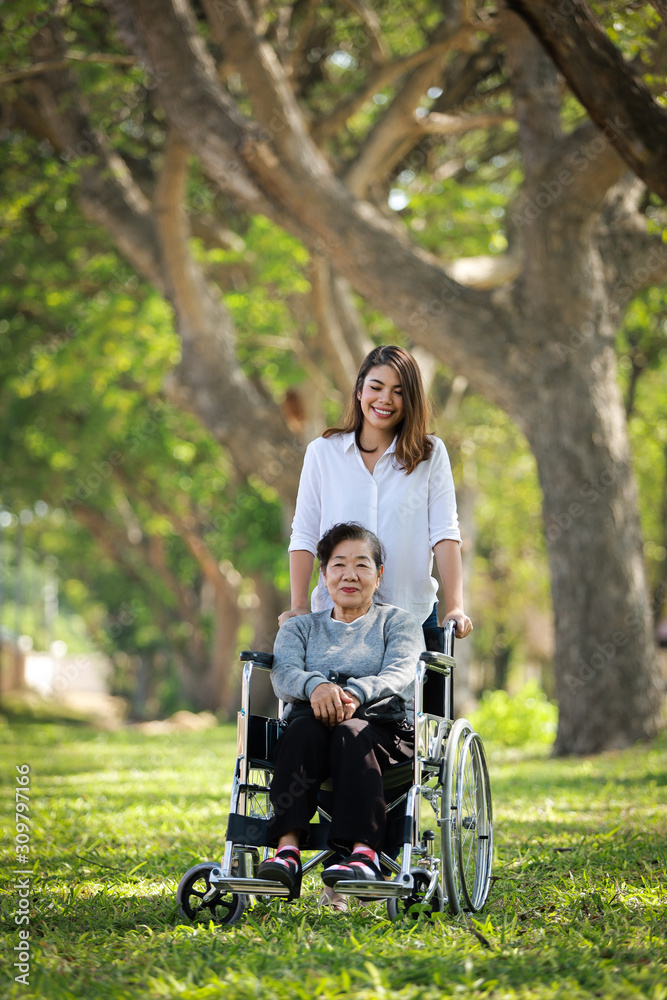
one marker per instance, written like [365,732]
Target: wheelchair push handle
[450,633]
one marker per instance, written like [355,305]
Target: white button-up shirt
[408,513]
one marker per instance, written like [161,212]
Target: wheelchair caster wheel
[399,907]
[195,886]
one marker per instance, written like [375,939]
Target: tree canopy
[212,211]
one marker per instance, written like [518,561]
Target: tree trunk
[271,603]
[217,692]
[607,684]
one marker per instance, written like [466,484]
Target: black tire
[192,888]
[450,869]
[475,824]
[403,907]
[467,821]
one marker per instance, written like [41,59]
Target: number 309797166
[22,812]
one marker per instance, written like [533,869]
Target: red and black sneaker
[283,867]
[359,867]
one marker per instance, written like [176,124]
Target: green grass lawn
[577,908]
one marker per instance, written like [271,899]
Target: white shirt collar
[349,442]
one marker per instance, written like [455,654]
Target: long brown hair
[413,444]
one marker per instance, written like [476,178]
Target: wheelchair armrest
[441,662]
[260,659]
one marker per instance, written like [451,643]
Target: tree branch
[661,7]
[567,178]
[394,132]
[371,21]
[380,76]
[534,85]
[37,69]
[614,96]
[634,258]
[209,366]
[588,165]
[108,193]
[299,38]
[272,98]
[375,256]
[339,358]
[354,332]
[445,125]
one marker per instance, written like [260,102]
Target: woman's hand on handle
[463,624]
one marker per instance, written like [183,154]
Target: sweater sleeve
[290,678]
[403,641]
[308,510]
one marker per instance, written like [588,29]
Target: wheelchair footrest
[253,886]
[371,889]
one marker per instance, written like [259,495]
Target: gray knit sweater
[373,657]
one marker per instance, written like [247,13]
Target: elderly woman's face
[351,576]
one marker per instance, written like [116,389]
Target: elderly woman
[347,674]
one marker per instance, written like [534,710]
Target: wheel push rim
[474,826]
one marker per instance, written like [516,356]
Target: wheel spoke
[474,802]
[466,821]
[451,822]
[258,804]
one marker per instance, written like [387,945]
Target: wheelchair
[439,811]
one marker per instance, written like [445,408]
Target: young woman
[383,470]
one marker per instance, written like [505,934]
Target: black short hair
[348,531]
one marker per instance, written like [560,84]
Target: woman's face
[352,577]
[381,398]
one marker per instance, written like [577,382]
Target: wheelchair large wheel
[258,804]
[225,909]
[399,907]
[467,820]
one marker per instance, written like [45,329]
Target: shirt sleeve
[308,511]
[290,679]
[443,520]
[403,643]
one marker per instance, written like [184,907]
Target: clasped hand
[332,705]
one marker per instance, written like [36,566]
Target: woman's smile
[381,400]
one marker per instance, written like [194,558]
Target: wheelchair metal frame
[448,772]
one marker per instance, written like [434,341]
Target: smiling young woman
[384,470]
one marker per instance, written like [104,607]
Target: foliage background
[102,477]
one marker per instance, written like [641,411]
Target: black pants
[354,754]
